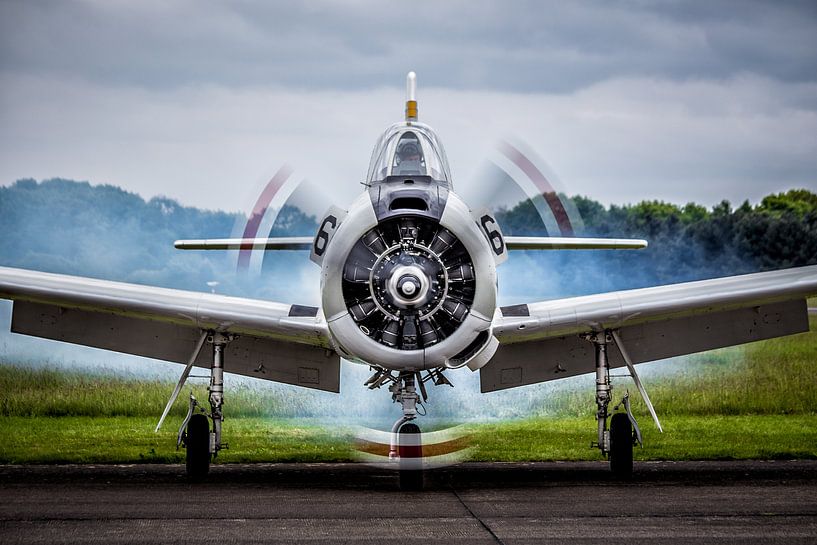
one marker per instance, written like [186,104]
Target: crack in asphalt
[481,522]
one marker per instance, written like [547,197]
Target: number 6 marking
[494,236]
[323,235]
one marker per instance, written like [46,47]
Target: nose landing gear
[406,443]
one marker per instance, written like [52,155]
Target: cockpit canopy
[408,149]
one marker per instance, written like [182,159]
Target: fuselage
[409,271]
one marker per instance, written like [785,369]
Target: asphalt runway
[669,502]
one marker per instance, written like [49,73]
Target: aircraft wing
[513,243]
[279,342]
[280,243]
[574,243]
[541,341]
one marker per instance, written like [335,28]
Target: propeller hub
[408,286]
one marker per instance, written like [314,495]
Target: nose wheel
[407,446]
[410,451]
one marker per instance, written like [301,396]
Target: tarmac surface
[665,502]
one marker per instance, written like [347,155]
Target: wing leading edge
[280,243]
[513,243]
[573,243]
[280,342]
[540,341]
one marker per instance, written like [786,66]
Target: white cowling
[465,337]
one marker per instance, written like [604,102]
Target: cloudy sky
[203,101]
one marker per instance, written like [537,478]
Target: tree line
[106,232]
[687,242]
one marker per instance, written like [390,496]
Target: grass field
[755,401]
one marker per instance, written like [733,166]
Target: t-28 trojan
[409,287]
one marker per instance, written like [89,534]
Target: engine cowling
[409,281]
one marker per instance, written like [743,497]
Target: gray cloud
[618,141]
[521,46]
[629,100]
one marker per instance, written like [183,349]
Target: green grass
[83,439]
[685,438]
[756,401]
[54,392]
[131,440]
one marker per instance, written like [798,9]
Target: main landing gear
[201,440]
[616,443]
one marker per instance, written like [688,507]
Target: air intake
[408,203]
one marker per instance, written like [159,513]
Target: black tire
[410,479]
[621,446]
[198,447]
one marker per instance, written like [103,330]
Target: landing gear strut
[406,445]
[616,443]
[202,442]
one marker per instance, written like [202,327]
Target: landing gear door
[490,229]
[329,223]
